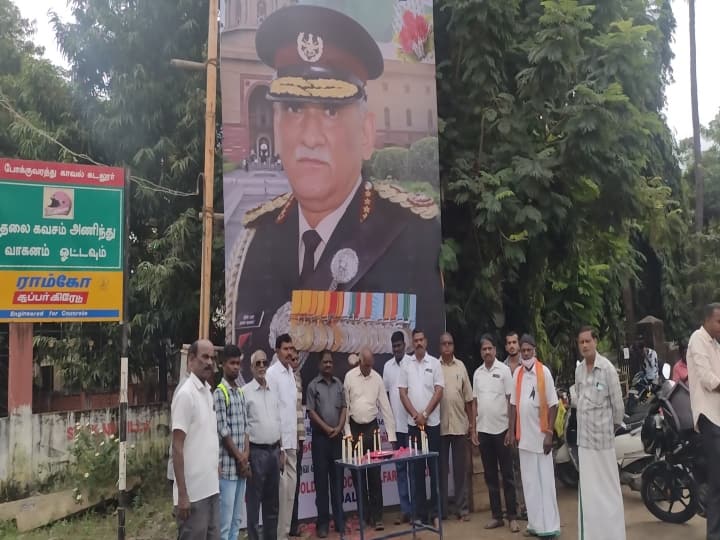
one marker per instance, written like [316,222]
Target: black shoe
[322,531]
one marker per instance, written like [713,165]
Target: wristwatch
[425,415]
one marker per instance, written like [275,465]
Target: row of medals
[346,335]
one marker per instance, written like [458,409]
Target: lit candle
[360,443]
[425,442]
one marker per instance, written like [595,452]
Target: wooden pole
[209,176]
[697,144]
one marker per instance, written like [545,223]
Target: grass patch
[148,516]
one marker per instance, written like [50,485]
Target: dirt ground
[149,519]
[641,525]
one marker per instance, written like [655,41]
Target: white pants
[287,494]
[538,480]
[600,503]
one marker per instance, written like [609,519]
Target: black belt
[272,446]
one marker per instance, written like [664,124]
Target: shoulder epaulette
[283,201]
[418,203]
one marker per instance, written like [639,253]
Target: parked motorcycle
[641,393]
[631,457]
[674,488]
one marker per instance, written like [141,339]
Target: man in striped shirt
[600,411]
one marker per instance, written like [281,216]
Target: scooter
[631,456]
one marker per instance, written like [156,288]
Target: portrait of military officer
[334,230]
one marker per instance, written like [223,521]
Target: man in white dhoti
[533,407]
[600,411]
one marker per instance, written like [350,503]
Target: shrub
[95,461]
[423,161]
[390,162]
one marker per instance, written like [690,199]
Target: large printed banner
[332,221]
[61,242]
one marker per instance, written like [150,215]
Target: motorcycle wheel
[669,494]
[568,474]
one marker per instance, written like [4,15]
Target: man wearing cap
[533,407]
[334,230]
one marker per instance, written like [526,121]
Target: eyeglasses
[261,363]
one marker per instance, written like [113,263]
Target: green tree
[552,144]
[141,113]
[32,88]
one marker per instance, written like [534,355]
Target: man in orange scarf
[533,407]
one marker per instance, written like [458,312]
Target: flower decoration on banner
[413,32]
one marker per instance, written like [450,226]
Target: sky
[678,93]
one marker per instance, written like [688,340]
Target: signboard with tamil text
[61,242]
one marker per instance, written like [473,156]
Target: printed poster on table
[61,242]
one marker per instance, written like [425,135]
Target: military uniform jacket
[396,238]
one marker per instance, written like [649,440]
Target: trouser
[232,506]
[204,520]
[711,442]
[324,453]
[286,493]
[402,476]
[494,454]
[458,445]
[262,489]
[294,525]
[372,486]
[517,482]
[417,477]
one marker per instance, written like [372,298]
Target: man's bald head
[367,360]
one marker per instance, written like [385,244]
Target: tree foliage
[555,151]
[122,103]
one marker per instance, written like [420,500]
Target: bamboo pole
[209,172]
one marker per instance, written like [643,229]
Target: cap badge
[309,47]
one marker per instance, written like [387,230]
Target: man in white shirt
[703,360]
[196,450]
[533,408]
[281,380]
[492,386]
[262,412]
[365,397]
[391,378]
[421,389]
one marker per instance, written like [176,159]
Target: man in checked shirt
[234,445]
[600,411]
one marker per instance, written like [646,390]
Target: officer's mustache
[315,154]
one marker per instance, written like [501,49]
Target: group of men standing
[246,441]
